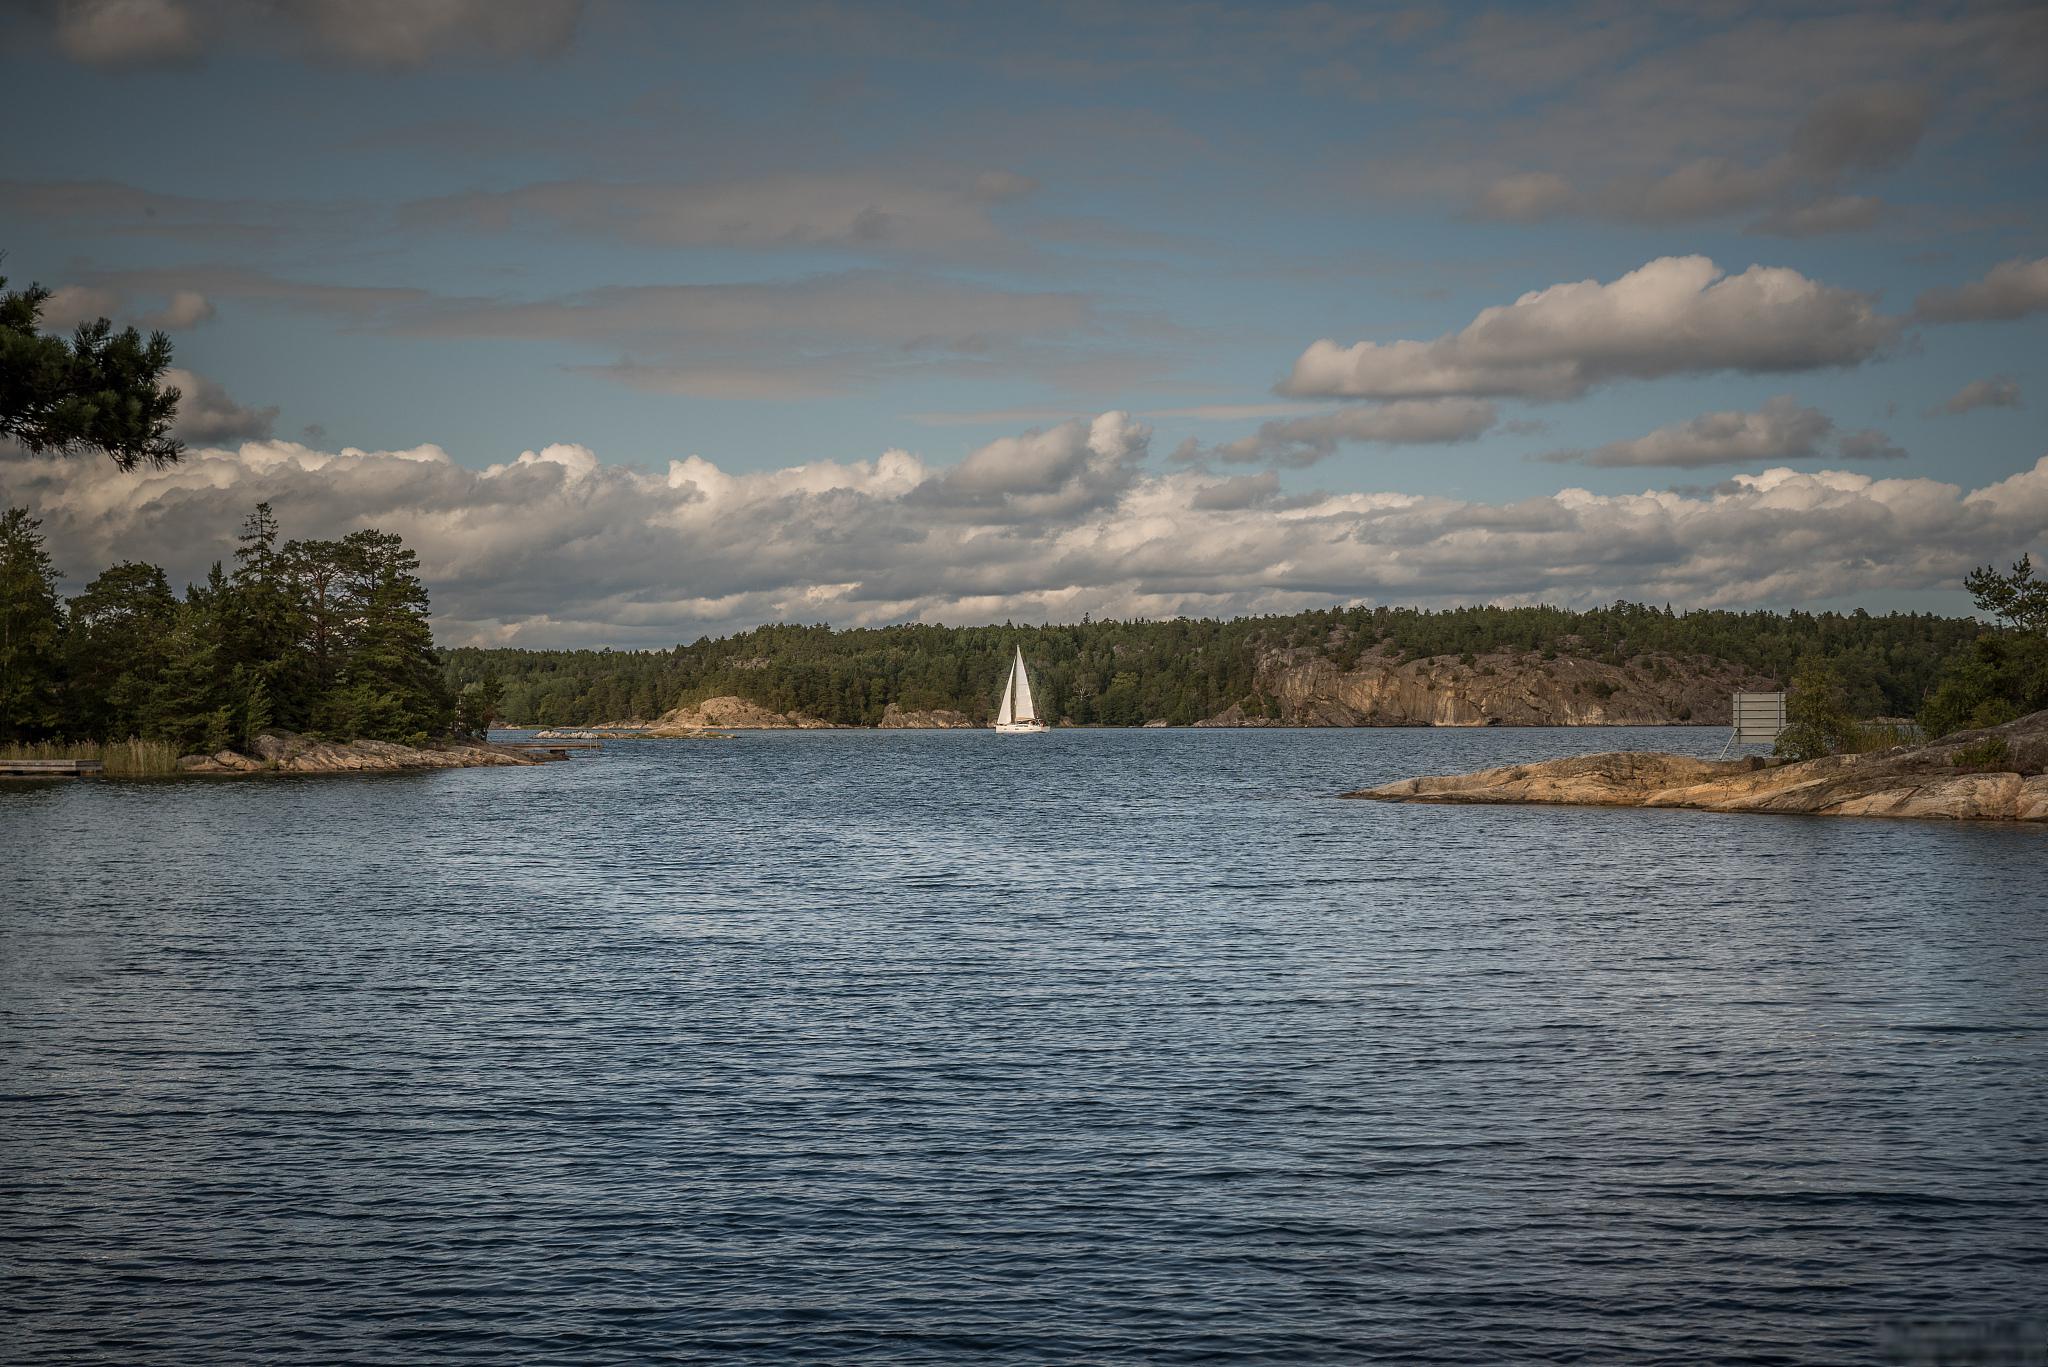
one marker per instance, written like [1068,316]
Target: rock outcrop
[1501,688]
[924,719]
[286,753]
[732,714]
[1997,774]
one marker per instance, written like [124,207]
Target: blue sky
[806,234]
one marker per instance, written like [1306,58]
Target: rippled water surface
[950,1047]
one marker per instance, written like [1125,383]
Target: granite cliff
[1505,688]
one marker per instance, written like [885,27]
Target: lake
[938,1047]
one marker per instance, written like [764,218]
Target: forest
[1124,673]
[331,638]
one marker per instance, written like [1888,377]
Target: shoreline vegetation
[303,649]
[1625,665]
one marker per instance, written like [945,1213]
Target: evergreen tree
[101,391]
[30,627]
[391,682]
[263,630]
[116,640]
[189,707]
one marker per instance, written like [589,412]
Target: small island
[1999,773]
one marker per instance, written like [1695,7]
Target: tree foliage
[327,637]
[101,390]
[1817,716]
[2003,673]
[31,624]
[1127,673]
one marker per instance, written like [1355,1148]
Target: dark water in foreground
[1089,1047]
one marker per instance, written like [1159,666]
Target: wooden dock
[51,768]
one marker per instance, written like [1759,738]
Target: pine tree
[30,627]
[101,391]
[391,680]
[115,639]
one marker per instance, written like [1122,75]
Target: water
[949,1047]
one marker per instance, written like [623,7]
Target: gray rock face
[924,719]
[1504,688]
[733,714]
[1997,774]
[285,753]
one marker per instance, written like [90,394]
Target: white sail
[1017,712]
[1021,687]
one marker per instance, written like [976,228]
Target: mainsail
[1021,683]
[1017,706]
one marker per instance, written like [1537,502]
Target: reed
[124,758]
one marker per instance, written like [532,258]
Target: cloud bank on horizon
[1379,276]
[557,548]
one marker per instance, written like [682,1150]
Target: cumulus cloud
[1672,316]
[207,416]
[558,547]
[1306,440]
[1999,391]
[863,212]
[2009,290]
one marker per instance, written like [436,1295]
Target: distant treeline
[327,637]
[1126,673]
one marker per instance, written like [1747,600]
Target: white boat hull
[1018,728]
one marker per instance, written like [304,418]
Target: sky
[642,321]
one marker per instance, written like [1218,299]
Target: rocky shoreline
[285,753]
[1996,774]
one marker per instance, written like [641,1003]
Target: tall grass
[123,758]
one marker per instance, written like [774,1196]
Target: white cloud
[1780,430]
[2009,290]
[557,547]
[1672,316]
[1306,440]
[1998,391]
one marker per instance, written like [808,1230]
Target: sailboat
[1017,714]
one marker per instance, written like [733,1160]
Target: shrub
[1986,754]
